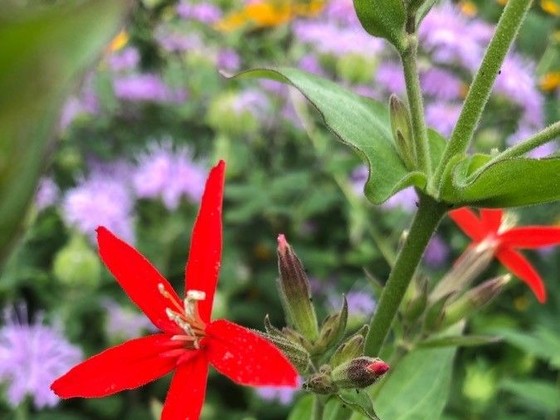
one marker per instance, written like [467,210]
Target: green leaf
[303,409]
[359,401]
[42,53]
[418,386]
[336,410]
[358,122]
[383,18]
[459,341]
[423,10]
[507,183]
[534,393]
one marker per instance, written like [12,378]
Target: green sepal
[384,19]
[332,329]
[358,122]
[350,348]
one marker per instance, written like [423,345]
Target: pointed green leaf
[418,386]
[357,121]
[459,341]
[383,18]
[303,408]
[535,393]
[507,183]
[41,55]
[358,400]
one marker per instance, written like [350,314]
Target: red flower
[489,230]
[188,341]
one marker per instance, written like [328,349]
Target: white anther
[196,295]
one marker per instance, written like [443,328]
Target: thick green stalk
[416,104]
[424,224]
[318,407]
[508,26]
[536,140]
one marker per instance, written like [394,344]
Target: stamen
[196,295]
[167,295]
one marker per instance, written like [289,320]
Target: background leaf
[42,53]
[383,18]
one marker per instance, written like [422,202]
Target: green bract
[383,18]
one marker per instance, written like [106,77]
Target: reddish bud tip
[282,243]
[379,367]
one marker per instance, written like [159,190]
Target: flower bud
[77,264]
[402,131]
[473,300]
[320,383]
[295,353]
[350,349]
[332,329]
[417,300]
[295,292]
[360,372]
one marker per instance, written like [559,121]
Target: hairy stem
[508,26]
[424,224]
[536,140]
[318,407]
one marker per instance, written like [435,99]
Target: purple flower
[360,304]
[441,84]
[310,64]
[31,357]
[437,252]
[404,200]
[443,116]
[252,101]
[203,12]
[228,60]
[100,199]
[282,394]
[174,41]
[358,179]
[47,193]
[145,87]
[123,324]
[168,174]
[342,11]
[86,102]
[390,76]
[124,60]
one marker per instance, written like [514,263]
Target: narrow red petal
[138,278]
[126,366]
[530,237]
[469,223]
[247,358]
[491,218]
[188,388]
[205,252]
[523,269]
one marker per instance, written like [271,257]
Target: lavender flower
[437,252]
[443,116]
[146,87]
[168,174]
[358,179]
[203,12]
[441,84]
[123,324]
[124,60]
[47,193]
[100,199]
[284,395]
[228,60]
[31,357]
[390,76]
[404,200]
[360,304]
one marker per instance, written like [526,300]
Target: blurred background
[136,139]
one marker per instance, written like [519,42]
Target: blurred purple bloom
[453,38]
[173,41]
[124,60]
[360,304]
[441,84]
[310,64]
[101,199]
[228,60]
[145,87]
[437,252]
[85,102]
[203,12]
[404,200]
[358,179]
[168,174]
[47,193]
[390,76]
[282,394]
[31,357]
[342,11]
[253,101]
[123,324]
[443,116]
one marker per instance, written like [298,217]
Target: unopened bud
[474,300]
[320,383]
[402,131]
[295,292]
[434,314]
[359,373]
[295,353]
[332,329]
[350,349]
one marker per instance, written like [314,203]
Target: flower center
[185,315]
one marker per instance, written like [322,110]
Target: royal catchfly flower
[189,341]
[492,230]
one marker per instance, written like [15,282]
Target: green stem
[479,92]
[536,140]
[318,407]
[414,93]
[424,224]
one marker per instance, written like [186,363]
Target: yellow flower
[550,81]
[119,41]
[468,8]
[269,13]
[501,2]
[552,7]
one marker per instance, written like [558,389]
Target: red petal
[469,223]
[523,269]
[247,358]
[186,393]
[531,237]
[205,252]
[492,219]
[138,278]
[126,366]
